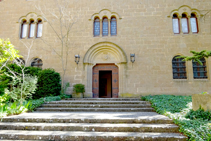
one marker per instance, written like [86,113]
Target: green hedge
[48,84]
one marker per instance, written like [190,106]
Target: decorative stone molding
[185,9]
[105,13]
[30,16]
[105,52]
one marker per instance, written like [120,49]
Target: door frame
[115,79]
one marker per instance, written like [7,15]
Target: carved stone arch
[105,13]
[104,53]
[114,52]
[31,15]
[184,9]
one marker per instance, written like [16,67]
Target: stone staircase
[91,120]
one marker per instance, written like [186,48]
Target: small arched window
[31,28]
[199,71]
[176,26]
[37,63]
[113,26]
[179,68]
[184,20]
[23,29]
[97,27]
[39,28]
[20,61]
[194,23]
[105,27]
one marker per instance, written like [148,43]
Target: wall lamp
[77,59]
[132,58]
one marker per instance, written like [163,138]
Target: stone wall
[144,27]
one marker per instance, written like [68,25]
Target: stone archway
[104,53]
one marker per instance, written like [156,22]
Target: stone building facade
[106,33]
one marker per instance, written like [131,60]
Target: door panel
[115,80]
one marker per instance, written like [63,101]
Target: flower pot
[201,100]
[77,95]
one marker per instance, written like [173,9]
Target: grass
[196,125]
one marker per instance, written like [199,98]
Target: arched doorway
[97,61]
[105,81]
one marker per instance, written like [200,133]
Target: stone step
[88,136]
[103,99]
[97,102]
[60,119]
[88,127]
[96,109]
[98,105]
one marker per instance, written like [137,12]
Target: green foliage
[64,96]
[197,56]
[196,125]
[78,88]
[18,108]
[4,98]
[33,71]
[5,80]
[170,103]
[48,84]
[22,90]
[7,52]
[199,114]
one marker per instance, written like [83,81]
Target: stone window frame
[179,64]
[184,9]
[105,13]
[29,17]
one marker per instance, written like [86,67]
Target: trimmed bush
[48,84]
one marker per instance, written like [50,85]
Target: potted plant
[78,90]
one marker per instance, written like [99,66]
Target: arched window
[184,20]
[37,63]
[39,28]
[113,26]
[31,28]
[179,68]
[176,26]
[194,23]
[97,27]
[105,27]
[199,71]
[23,29]
[20,61]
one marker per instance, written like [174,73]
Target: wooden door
[115,79]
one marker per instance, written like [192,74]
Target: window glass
[199,71]
[39,29]
[97,27]
[113,26]
[105,27]
[175,22]
[179,68]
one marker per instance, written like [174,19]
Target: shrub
[48,84]
[5,80]
[28,88]
[78,88]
